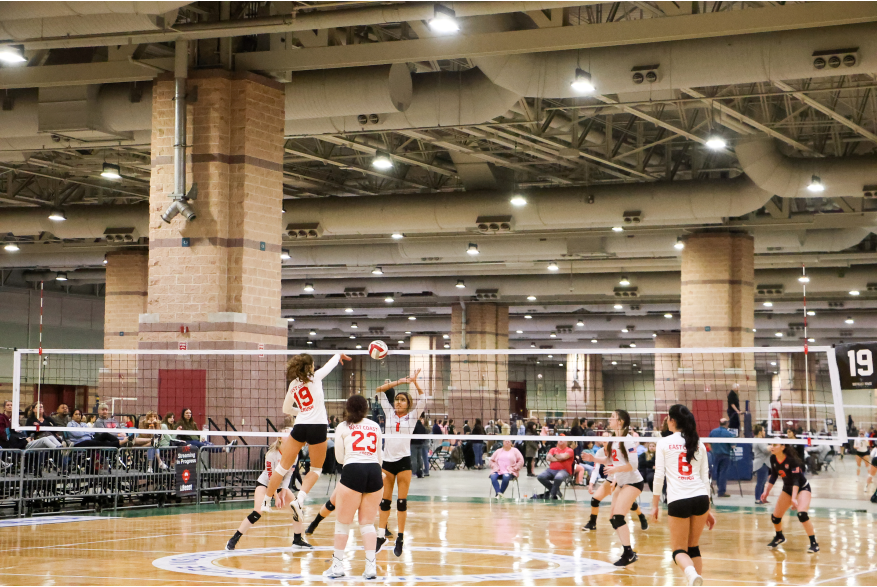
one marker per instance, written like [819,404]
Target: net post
[837,395]
[16,386]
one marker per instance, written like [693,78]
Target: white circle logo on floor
[562,566]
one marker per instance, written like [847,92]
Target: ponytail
[625,430]
[687,427]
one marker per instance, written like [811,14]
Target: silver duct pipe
[789,177]
[57,258]
[180,198]
[348,92]
[87,222]
[78,277]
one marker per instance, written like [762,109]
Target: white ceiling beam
[827,111]
[45,76]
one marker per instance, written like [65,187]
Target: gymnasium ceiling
[491,115]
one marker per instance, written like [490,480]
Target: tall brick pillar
[432,372]
[214,283]
[125,300]
[718,299]
[584,386]
[479,383]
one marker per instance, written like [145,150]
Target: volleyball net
[240,393]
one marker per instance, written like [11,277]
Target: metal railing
[51,480]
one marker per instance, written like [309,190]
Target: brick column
[432,372]
[479,384]
[215,283]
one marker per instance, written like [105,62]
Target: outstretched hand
[656,513]
[344,358]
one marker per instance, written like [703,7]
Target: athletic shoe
[590,526]
[776,541]
[499,496]
[693,577]
[297,514]
[398,549]
[643,522]
[162,466]
[626,559]
[724,495]
[312,527]
[300,544]
[371,570]
[230,445]
[380,543]
[814,548]
[336,571]
[232,542]
[149,470]
[387,533]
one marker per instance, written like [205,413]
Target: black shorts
[639,485]
[863,453]
[260,484]
[806,487]
[690,506]
[874,462]
[396,467]
[310,433]
[362,477]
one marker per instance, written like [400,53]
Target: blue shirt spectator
[76,422]
[722,449]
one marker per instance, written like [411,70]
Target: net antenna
[804,280]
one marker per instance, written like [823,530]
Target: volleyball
[377,349]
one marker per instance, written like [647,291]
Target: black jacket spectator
[419,428]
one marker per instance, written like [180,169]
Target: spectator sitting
[436,427]
[143,439]
[154,452]
[104,420]
[505,463]
[721,457]
[91,420]
[188,423]
[61,417]
[10,438]
[76,436]
[560,467]
[39,419]
[647,465]
[816,456]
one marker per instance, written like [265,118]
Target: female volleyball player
[681,458]
[861,448]
[784,462]
[401,419]
[872,467]
[272,459]
[311,425]
[600,488]
[358,446]
[622,469]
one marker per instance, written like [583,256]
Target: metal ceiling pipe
[82,221]
[78,276]
[20,10]
[721,61]
[790,177]
[57,259]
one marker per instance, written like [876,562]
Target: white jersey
[396,449]
[596,476]
[684,479]
[309,396]
[272,461]
[359,443]
[861,444]
[630,477]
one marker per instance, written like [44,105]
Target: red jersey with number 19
[309,396]
[359,443]
[684,479]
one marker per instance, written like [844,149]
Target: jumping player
[682,459]
[796,493]
[401,419]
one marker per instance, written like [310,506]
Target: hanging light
[552,266]
[778,334]
[803,279]
[310,342]
[849,320]
[473,249]
[444,20]
[625,330]
[633,346]
[359,346]
[377,271]
[811,312]
[352,336]
[284,254]
[9,54]
[460,284]
[532,345]
[618,306]
[105,260]
[11,247]
[553,335]
[624,281]
[680,244]
[61,276]
[348,310]
[580,322]
[811,340]
[519,332]
[57,215]
[389,299]
[816,185]
[527,317]
[111,171]
[594,340]
[582,83]
[531,298]
[617,229]
[668,315]
[446,336]
[518,201]
[313,333]
[654,335]
[412,317]
[354,325]
[854,292]
[382,161]
[768,304]
[290,319]
[309,286]
[397,236]
[716,143]
[401,341]
[447,346]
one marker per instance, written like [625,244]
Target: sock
[593,518]
[302,496]
[627,550]
[812,539]
[296,537]
[690,571]
[318,519]
[400,536]
[779,534]
[381,532]
[339,555]
[370,556]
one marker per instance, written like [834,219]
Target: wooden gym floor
[454,541]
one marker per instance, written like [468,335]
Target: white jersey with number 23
[359,443]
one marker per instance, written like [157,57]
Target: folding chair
[513,484]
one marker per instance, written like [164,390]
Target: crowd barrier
[52,480]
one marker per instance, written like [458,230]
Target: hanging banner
[856,364]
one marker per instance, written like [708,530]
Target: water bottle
[204,433]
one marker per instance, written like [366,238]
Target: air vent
[487,294]
[630,327]
[774,249]
[127,234]
[796,326]
[835,304]
[355,292]
[563,328]
[869,191]
[834,58]
[769,290]
[633,217]
[626,292]
[430,259]
[846,333]
[494,224]
[634,307]
[645,73]
[871,287]
[306,230]
[376,330]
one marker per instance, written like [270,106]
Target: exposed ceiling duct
[721,61]
[53,257]
[78,277]
[791,177]
[90,222]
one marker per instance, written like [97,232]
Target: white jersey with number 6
[359,443]
[684,479]
[309,396]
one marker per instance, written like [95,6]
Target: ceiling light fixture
[352,336]
[446,336]
[811,340]
[111,171]
[624,281]
[527,317]
[11,247]
[359,346]
[397,236]
[716,143]
[654,335]
[382,161]
[407,332]
[680,244]
[552,266]
[854,292]
[105,260]
[412,317]
[444,20]
[377,271]
[617,229]
[401,341]
[767,304]
[57,216]
[519,331]
[460,284]
[582,82]
[618,306]
[9,54]
[309,286]
[778,334]
[633,346]
[803,279]
[348,310]
[518,201]
[532,345]
[668,315]
[625,330]
[614,362]
[811,312]
[849,320]
[389,299]
[284,254]
[290,319]
[313,333]
[61,276]
[354,325]
[816,186]
[553,335]
[580,322]
[310,342]
[594,340]
[447,346]
[473,249]
[531,298]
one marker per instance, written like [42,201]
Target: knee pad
[693,551]
[595,503]
[342,528]
[317,471]
[385,505]
[401,505]
[680,551]
[775,520]
[281,471]
[617,521]
[367,529]
[254,517]
[634,507]
[803,517]
[329,505]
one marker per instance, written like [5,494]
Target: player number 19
[861,363]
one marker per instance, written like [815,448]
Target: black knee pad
[595,503]
[617,521]
[254,517]
[775,520]
[675,552]
[401,505]
[803,517]
[693,551]
[330,506]
[385,505]
[634,507]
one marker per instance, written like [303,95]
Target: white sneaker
[336,570]
[693,577]
[162,466]
[371,570]
[297,514]
[499,496]
[148,470]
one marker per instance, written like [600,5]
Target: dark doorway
[518,399]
